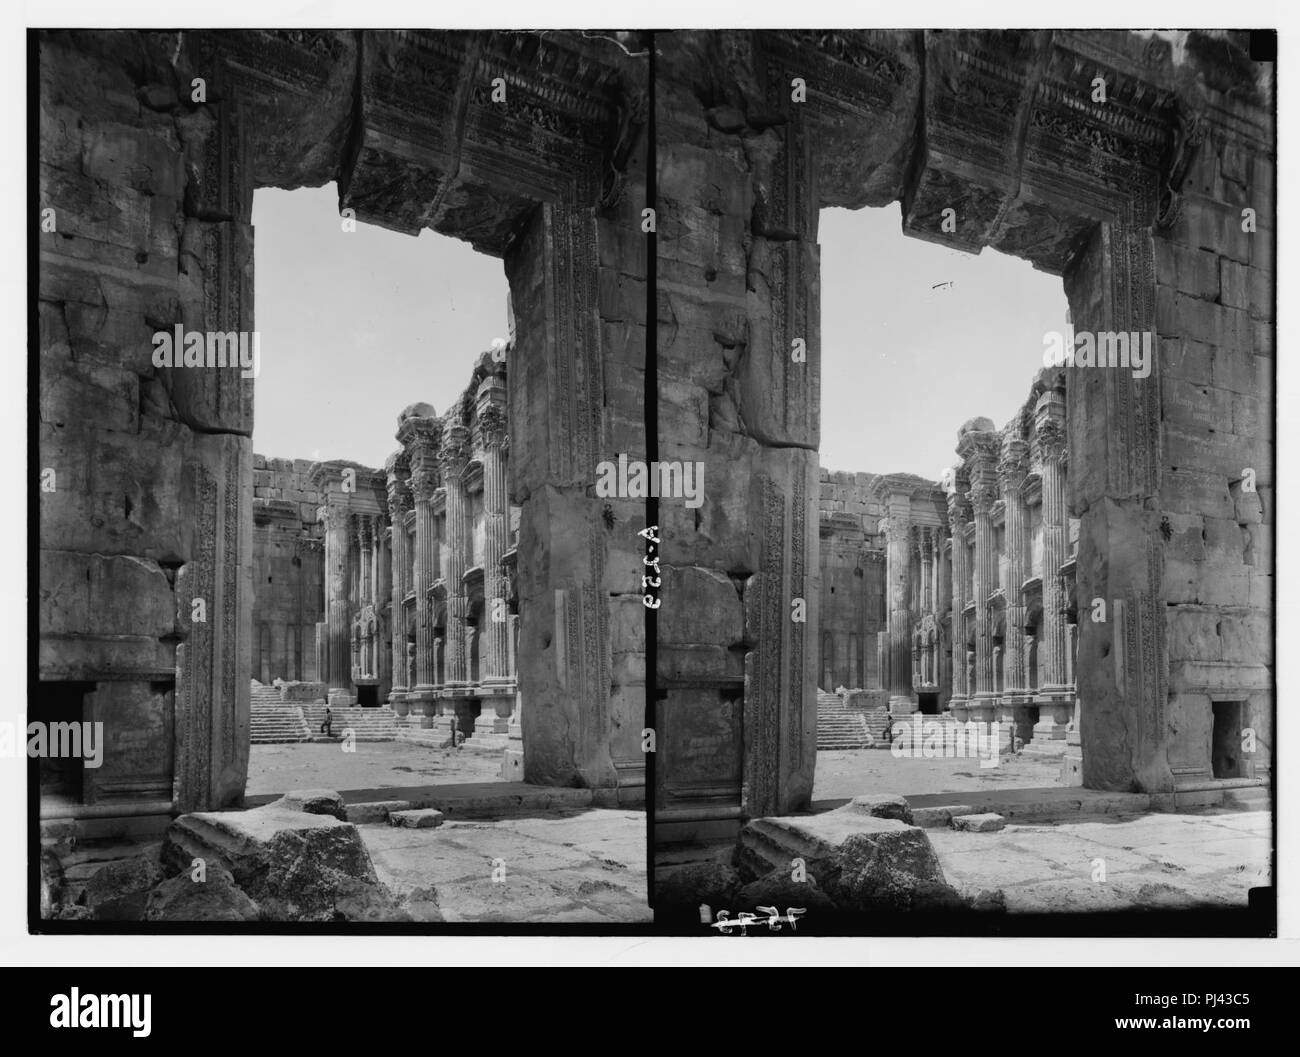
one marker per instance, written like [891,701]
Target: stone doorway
[995,133]
[544,178]
[1226,742]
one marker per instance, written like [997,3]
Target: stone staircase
[367,724]
[271,722]
[839,727]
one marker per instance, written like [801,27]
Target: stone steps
[847,728]
[271,721]
[366,724]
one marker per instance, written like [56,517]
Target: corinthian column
[1015,692]
[422,453]
[338,677]
[496,513]
[959,701]
[1057,696]
[898,559]
[453,459]
[399,502]
[979,448]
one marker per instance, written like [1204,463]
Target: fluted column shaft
[960,691]
[338,647]
[1052,649]
[985,575]
[898,572]
[424,536]
[494,649]
[399,501]
[457,554]
[1012,474]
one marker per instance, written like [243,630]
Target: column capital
[982,495]
[398,468]
[453,454]
[1049,439]
[1014,464]
[490,425]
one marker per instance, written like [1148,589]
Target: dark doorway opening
[368,696]
[928,702]
[61,702]
[1225,742]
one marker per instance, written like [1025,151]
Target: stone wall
[288,570]
[150,509]
[852,577]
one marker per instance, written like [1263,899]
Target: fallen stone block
[781,890]
[295,866]
[710,883]
[881,805]
[985,823]
[422,818]
[51,882]
[375,810]
[862,862]
[215,898]
[314,802]
[119,891]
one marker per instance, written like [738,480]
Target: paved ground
[1210,857]
[375,764]
[584,866]
[842,774]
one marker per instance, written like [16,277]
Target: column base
[496,703]
[1014,718]
[981,709]
[1055,713]
[422,703]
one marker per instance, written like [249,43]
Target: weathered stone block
[95,594]
[422,818]
[90,396]
[314,802]
[119,891]
[214,898]
[295,866]
[987,822]
[700,606]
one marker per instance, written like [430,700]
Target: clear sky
[357,325]
[904,363]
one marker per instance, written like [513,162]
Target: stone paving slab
[275,769]
[1203,858]
[587,867]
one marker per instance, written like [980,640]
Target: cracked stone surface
[573,867]
[1205,858]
